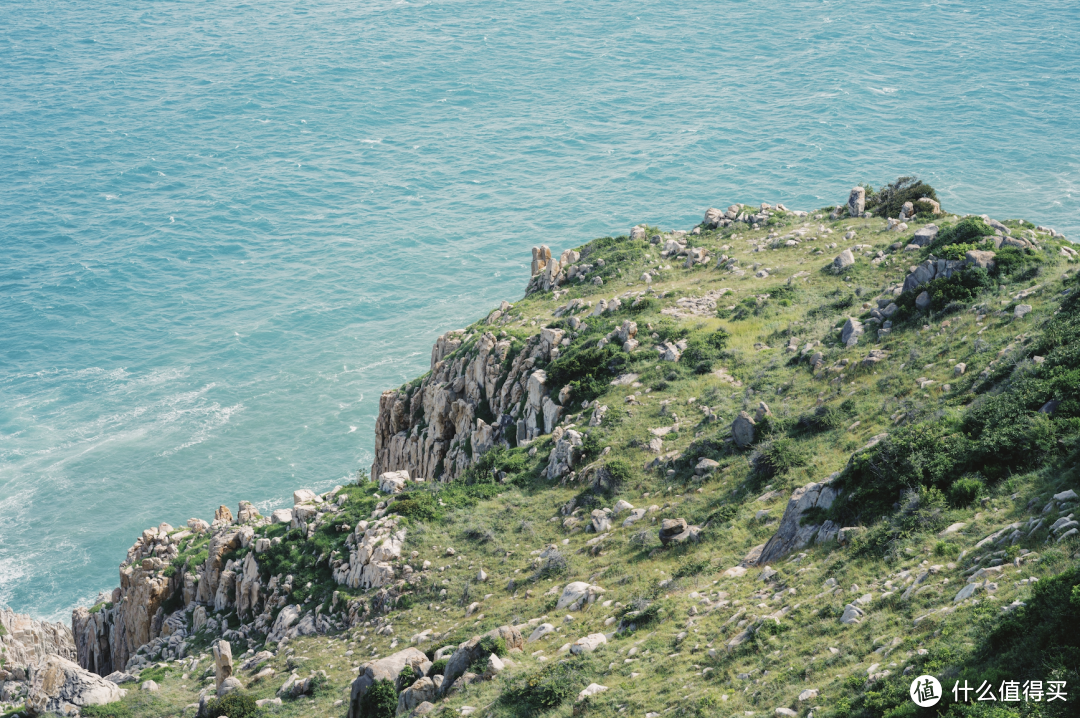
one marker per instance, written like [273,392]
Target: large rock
[223,663]
[393,482]
[792,534]
[588,644]
[923,301]
[24,641]
[853,329]
[856,202]
[285,620]
[473,649]
[59,683]
[384,669]
[564,454]
[979,258]
[844,260]
[373,549]
[925,236]
[677,531]
[852,614]
[423,690]
[577,595]
[742,430]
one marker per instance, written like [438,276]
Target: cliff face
[433,429]
[174,581]
[25,641]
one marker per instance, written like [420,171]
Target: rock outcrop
[373,546]
[59,685]
[792,534]
[386,669]
[25,641]
[474,648]
[434,429]
[130,628]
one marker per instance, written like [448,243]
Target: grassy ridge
[969,448]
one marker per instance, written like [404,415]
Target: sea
[226,227]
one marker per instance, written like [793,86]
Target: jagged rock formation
[130,627]
[25,646]
[373,548]
[435,430]
[61,686]
[25,641]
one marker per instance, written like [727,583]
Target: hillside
[780,463]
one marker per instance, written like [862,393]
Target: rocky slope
[776,462]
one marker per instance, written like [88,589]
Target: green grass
[976,451]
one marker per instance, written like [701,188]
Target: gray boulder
[384,669]
[856,202]
[792,534]
[923,301]
[844,260]
[853,329]
[980,258]
[471,650]
[58,683]
[923,237]
[742,430]
[678,531]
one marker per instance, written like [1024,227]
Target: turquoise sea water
[226,227]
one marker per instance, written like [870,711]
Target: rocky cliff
[24,643]
[435,429]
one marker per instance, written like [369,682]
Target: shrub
[890,199]
[964,491]
[380,700]
[691,568]
[614,475]
[966,231]
[963,287]
[234,705]
[779,456]
[490,644]
[418,505]
[1011,261]
[546,689]
[439,666]
[586,370]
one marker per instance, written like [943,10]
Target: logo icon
[925,691]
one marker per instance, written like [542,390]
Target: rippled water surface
[226,227]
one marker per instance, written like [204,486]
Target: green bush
[779,456]
[964,492]
[614,475]
[966,231]
[235,705]
[890,199]
[546,689]
[691,567]
[963,287]
[1013,261]
[418,505]
[586,369]
[490,644]
[439,666]
[380,700]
